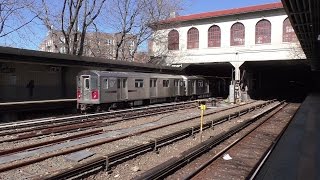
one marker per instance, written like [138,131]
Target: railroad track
[240,150]
[38,145]
[84,122]
[110,160]
[17,136]
[261,140]
[137,112]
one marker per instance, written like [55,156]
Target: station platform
[297,154]
[37,105]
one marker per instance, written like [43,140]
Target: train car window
[165,83]
[200,83]
[105,84]
[176,83]
[153,83]
[94,82]
[138,83]
[87,83]
[118,83]
[112,82]
[193,83]
[182,83]
[124,83]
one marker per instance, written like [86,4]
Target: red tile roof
[225,12]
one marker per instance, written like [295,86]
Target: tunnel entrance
[218,74]
[284,79]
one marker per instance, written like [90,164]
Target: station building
[253,48]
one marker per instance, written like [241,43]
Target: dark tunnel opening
[289,80]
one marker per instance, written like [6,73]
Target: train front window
[87,83]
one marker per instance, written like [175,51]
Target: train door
[122,86]
[194,86]
[177,87]
[207,87]
[86,87]
[153,87]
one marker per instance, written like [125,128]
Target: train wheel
[98,109]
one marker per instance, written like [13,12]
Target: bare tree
[13,16]
[132,19]
[71,21]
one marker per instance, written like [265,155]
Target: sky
[31,37]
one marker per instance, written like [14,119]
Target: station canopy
[305,17]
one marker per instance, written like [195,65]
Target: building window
[193,38]
[237,34]
[131,43]
[165,83]
[63,50]
[263,32]
[138,83]
[173,40]
[62,40]
[214,36]
[288,32]
[108,41]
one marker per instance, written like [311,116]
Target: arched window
[263,32]
[288,32]
[193,38]
[237,34]
[173,40]
[214,36]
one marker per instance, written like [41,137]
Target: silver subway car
[100,90]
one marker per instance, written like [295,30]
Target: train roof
[135,74]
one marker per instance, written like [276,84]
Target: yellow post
[202,107]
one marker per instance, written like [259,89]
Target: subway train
[102,90]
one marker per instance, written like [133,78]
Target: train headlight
[95,94]
[78,94]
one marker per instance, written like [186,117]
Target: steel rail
[163,170]
[195,172]
[259,165]
[88,123]
[115,158]
[29,123]
[188,119]
[22,148]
